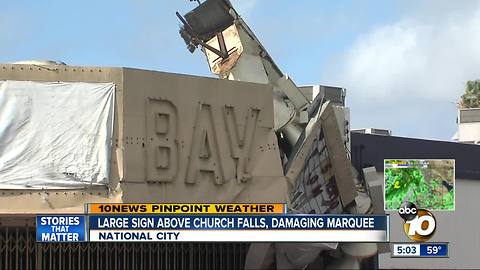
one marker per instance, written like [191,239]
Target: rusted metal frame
[195,40]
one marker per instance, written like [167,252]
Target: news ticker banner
[403,250]
[186,223]
[61,228]
[186,208]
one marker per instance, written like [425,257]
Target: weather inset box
[428,183]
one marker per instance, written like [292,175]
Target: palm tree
[471,98]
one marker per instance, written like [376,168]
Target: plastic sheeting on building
[55,134]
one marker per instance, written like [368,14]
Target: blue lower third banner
[420,250]
[434,249]
[61,228]
[240,228]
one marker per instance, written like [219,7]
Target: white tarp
[55,134]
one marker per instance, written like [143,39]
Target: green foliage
[449,200]
[471,98]
[408,184]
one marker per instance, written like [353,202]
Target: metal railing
[19,250]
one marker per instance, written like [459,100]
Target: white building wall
[469,132]
[468,125]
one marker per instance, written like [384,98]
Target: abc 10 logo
[419,224]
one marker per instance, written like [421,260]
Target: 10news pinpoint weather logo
[414,185]
[413,188]
[419,224]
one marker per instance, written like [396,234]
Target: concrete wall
[177,138]
[468,125]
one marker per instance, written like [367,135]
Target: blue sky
[403,62]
